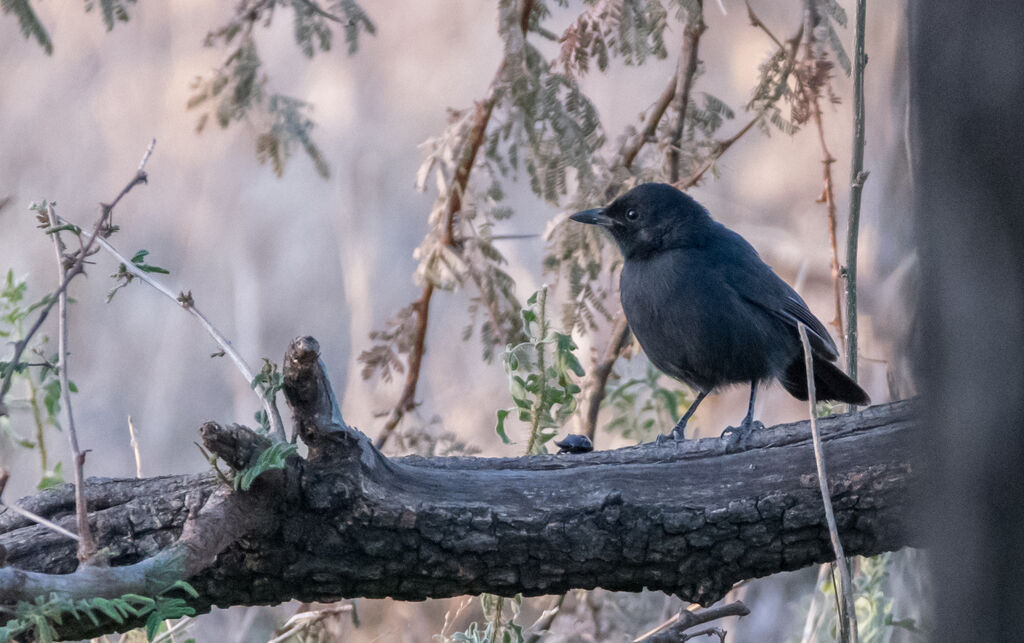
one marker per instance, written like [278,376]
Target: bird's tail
[830,383]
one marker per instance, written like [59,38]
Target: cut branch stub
[315,409]
[237,445]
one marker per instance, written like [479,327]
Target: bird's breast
[691,323]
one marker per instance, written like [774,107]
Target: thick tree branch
[690,520]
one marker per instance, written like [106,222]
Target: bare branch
[600,373]
[77,268]
[811,96]
[453,204]
[857,178]
[86,545]
[4,476]
[135,448]
[187,302]
[685,73]
[847,614]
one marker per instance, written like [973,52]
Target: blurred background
[269,258]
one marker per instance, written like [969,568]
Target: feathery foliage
[238,88]
[39,619]
[28,22]
[541,377]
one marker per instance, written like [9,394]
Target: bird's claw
[674,437]
[739,436]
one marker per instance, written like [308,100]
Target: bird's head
[650,218]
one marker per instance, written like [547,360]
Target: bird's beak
[594,217]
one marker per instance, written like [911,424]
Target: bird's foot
[739,436]
[674,437]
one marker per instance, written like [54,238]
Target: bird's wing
[795,310]
[769,292]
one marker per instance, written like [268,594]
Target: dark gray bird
[706,309]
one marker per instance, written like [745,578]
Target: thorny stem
[685,73]
[718,151]
[542,380]
[847,614]
[188,303]
[631,147]
[408,399]
[857,178]
[828,193]
[453,204]
[77,268]
[86,545]
[602,371]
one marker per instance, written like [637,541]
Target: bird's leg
[748,425]
[677,431]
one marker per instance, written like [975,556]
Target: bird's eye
[631,215]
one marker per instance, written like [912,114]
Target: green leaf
[183,586]
[500,428]
[52,478]
[109,609]
[273,457]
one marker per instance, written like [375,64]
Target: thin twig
[810,623]
[315,8]
[407,401]
[135,448]
[543,623]
[600,373]
[857,178]
[631,147]
[453,205]
[828,193]
[673,628]
[4,476]
[187,302]
[86,545]
[42,521]
[303,620]
[717,153]
[538,403]
[847,614]
[685,73]
[77,268]
[170,632]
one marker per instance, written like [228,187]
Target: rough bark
[347,522]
